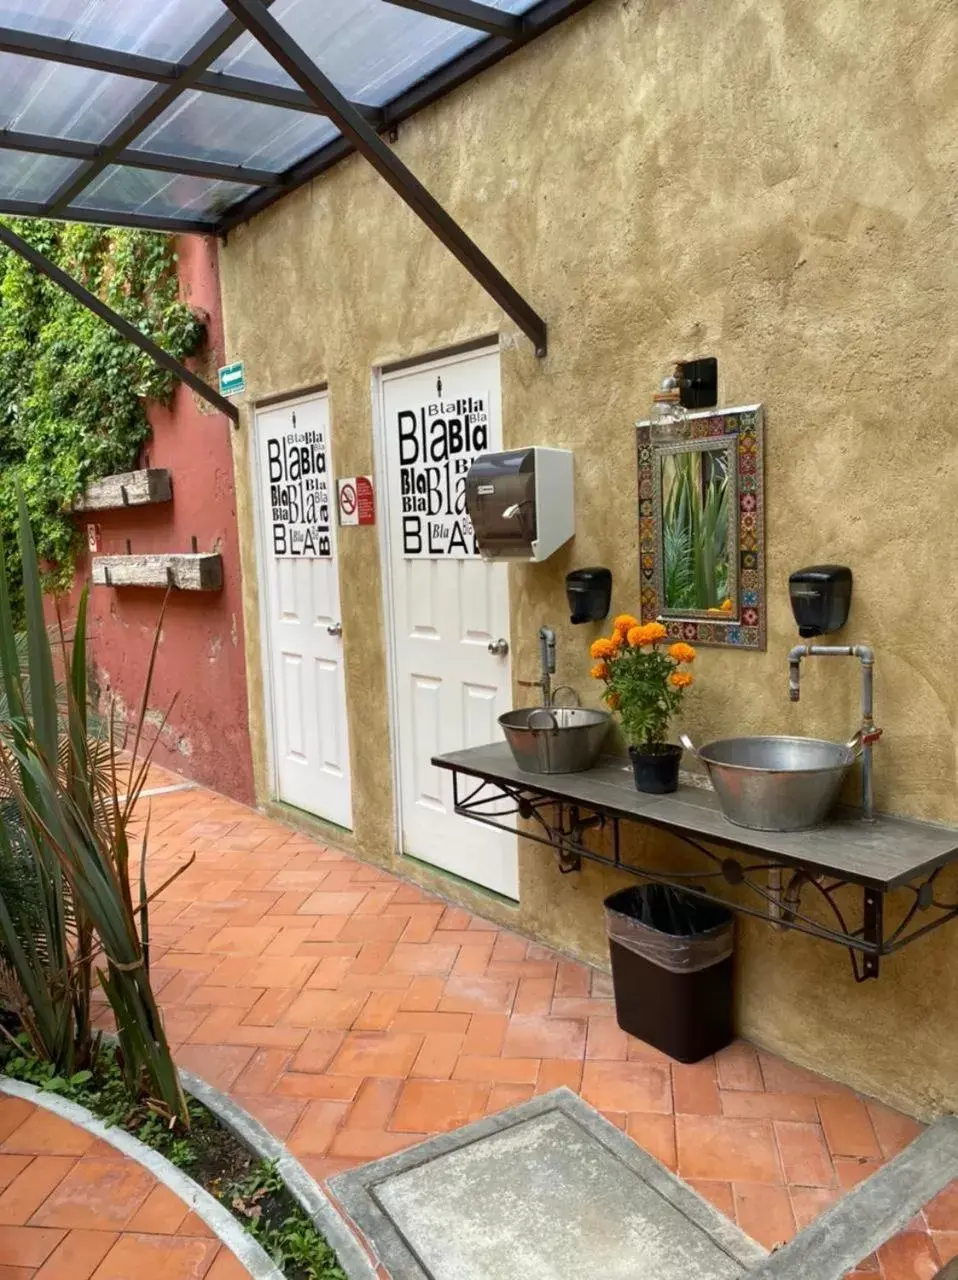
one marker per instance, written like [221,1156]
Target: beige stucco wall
[769,181]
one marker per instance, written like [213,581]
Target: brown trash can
[672,989]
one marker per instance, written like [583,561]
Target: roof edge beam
[116,321]
[67,148]
[111,218]
[138,67]
[278,43]
[467,13]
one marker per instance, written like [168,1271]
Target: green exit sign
[232,379]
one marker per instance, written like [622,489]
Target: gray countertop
[883,854]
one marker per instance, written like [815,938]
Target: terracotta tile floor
[74,1208]
[355,1014]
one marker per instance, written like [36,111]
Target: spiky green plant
[67,825]
[695,534]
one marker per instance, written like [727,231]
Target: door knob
[335,628]
[499,647]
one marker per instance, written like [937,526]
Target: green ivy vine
[72,391]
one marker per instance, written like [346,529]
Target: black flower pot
[656,767]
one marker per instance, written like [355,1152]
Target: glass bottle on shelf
[668,416]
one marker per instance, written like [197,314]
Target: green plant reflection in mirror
[695,530]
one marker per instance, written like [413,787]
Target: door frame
[262,590]
[419,364]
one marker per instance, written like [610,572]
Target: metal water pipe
[547,666]
[867,735]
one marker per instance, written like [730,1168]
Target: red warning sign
[357,502]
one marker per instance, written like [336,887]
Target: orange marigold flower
[681,679]
[616,640]
[602,648]
[681,652]
[600,671]
[624,623]
[613,701]
[651,633]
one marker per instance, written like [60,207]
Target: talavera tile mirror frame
[744,627]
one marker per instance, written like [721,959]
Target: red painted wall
[201,655]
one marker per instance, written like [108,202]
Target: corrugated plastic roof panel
[60,101]
[372,50]
[145,191]
[204,126]
[155,28]
[31,177]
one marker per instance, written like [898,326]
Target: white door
[306,682]
[447,607]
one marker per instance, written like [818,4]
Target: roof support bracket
[291,57]
[116,321]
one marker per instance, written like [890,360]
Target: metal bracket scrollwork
[563,825]
[565,828]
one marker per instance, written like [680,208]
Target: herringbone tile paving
[75,1208]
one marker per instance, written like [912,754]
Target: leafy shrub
[72,391]
[67,817]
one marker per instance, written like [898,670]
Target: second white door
[307,686]
[450,609]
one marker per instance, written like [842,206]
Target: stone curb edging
[302,1186]
[220,1221]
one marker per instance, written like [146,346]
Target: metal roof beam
[137,67]
[40,144]
[110,218]
[116,321]
[206,50]
[276,40]
[467,13]
[31,44]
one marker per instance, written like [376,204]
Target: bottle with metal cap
[668,415]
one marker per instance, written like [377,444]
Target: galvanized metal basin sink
[776,783]
[555,739]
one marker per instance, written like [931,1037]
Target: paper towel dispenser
[521,502]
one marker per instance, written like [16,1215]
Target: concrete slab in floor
[545,1190]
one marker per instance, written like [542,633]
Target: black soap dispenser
[590,594]
[821,596]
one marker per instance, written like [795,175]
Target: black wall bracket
[699,383]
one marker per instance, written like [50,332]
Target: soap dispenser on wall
[821,596]
[590,594]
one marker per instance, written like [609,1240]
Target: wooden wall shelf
[184,572]
[127,489]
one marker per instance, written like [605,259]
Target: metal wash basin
[555,739]
[776,783]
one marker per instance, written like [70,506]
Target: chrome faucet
[547,666]
[867,735]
